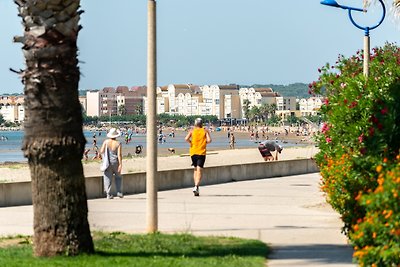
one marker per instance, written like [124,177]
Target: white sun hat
[113,133]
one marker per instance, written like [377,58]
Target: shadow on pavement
[318,253]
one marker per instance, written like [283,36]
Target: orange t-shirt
[198,142]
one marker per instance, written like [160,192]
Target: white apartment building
[93,103]
[285,107]
[310,106]
[285,103]
[161,104]
[12,108]
[257,97]
[222,101]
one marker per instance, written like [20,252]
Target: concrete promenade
[288,213]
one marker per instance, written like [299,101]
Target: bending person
[267,147]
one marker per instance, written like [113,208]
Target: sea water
[10,148]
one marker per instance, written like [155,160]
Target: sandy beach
[216,156]
[20,172]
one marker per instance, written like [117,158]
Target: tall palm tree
[264,109]
[396,6]
[254,113]
[246,108]
[272,109]
[54,141]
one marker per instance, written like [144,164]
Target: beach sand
[19,172]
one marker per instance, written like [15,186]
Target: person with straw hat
[112,162]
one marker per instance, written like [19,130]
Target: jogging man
[198,138]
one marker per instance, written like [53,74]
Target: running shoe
[196,191]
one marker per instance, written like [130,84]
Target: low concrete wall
[14,194]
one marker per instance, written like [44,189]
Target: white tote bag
[106,160]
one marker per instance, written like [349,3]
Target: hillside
[299,90]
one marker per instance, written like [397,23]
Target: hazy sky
[204,41]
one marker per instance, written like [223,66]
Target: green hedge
[360,135]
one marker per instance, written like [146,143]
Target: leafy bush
[376,237]
[361,130]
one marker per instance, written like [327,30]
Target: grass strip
[120,249]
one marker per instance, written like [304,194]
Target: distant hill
[299,90]
[82,92]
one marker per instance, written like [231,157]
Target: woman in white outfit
[114,165]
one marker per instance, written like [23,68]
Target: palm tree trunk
[54,141]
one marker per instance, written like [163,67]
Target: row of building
[223,101]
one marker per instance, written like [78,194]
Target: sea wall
[15,194]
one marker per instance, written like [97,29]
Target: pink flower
[361,138]
[325,128]
[326,101]
[353,104]
[384,111]
[343,85]
[328,140]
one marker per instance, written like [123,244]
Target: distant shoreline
[220,142]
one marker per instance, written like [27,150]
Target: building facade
[12,108]
[310,106]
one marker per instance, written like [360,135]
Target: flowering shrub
[361,130]
[376,237]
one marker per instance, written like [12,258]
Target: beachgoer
[232,141]
[85,154]
[252,135]
[267,147]
[112,151]
[198,138]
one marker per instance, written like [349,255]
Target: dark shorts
[198,160]
[265,152]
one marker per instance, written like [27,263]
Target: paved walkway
[288,213]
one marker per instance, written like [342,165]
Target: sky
[204,41]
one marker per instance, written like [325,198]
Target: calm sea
[10,150]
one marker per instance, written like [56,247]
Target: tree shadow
[316,253]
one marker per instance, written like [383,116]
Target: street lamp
[151,161]
[366,29]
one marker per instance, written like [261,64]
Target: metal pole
[366,54]
[151,163]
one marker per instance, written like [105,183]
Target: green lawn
[119,249]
